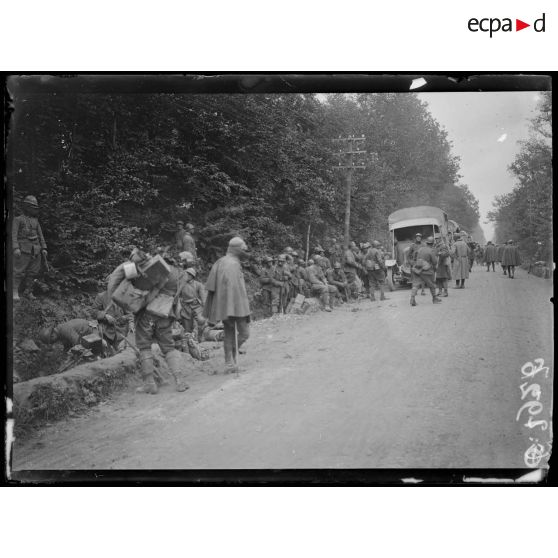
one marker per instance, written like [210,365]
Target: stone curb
[48,398]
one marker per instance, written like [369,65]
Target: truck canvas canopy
[416,216]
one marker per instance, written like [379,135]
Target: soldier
[303,282]
[192,298]
[499,253]
[28,245]
[266,282]
[280,280]
[443,270]
[376,268]
[227,300]
[335,252]
[114,322]
[351,267]
[319,286]
[184,240]
[460,256]
[68,333]
[288,251]
[510,258]
[152,328]
[412,255]
[490,256]
[424,269]
[337,278]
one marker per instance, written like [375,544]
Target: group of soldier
[335,276]
[507,255]
[220,311]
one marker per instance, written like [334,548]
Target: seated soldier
[319,285]
[337,278]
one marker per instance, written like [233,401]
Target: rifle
[45,262]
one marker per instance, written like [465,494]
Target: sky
[484,128]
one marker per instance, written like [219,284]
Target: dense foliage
[525,214]
[111,171]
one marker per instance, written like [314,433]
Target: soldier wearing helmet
[281,281]
[336,277]
[424,270]
[443,270]
[184,240]
[192,298]
[375,266]
[266,283]
[28,244]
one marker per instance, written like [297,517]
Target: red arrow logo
[519,25]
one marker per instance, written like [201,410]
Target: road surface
[369,385]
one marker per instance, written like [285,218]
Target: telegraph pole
[347,149]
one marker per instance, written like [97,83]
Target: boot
[445,293]
[382,295]
[147,374]
[435,299]
[174,360]
[372,297]
[413,301]
[422,292]
[462,284]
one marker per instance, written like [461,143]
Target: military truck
[404,224]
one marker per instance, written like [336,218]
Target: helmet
[288,250]
[375,243]
[191,271]
[336,265]
[430,240]
[186,256]
[281,258]
[31,200]
[267,259]
[294,254]
[310,262]
[180,222]
[45,335]
[418,234]
[190,227]
[237,242]
[318,249]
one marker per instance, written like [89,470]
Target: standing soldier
[184,240]
[227,300]
[192,299]
[280,279]
[443,270]
[266,282]
[28,245]
[351,267]
[337,278]
[424,269]
[490,255]
[460,256]
[376,268]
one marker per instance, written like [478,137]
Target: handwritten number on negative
[534,370]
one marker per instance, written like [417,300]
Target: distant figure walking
[510,258]
[490,256]
[460,256]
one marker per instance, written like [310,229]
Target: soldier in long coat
[460,256]
[499,254]
[443,270]
[28,244]
[227,300]
[184,240]
[510,258]
[490,255]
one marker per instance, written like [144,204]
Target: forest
[115,170]
[525,214]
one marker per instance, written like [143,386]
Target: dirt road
[369,385]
